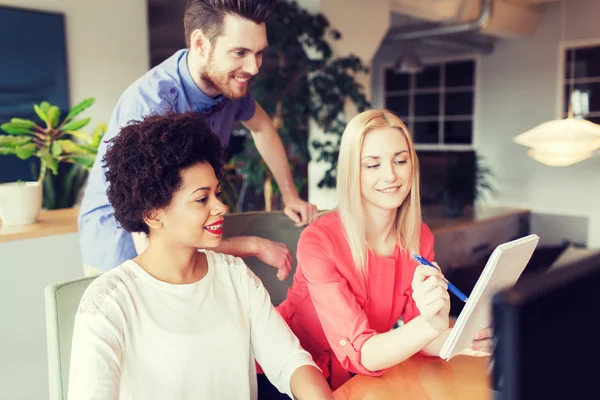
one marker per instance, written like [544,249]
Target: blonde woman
[355,277]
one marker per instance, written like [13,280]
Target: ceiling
[510,19]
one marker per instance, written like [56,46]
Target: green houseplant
[466,178]
[57,140]
[300,81]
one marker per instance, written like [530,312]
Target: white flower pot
[20,203]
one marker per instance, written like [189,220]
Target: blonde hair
[350,206]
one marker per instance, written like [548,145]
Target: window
[437,103]
[581,86]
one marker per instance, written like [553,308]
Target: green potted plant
[55,142]
[301,80]
[467,179]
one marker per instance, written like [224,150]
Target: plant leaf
[4,151]
[70,185]
[75,125]
[56,148]
[90,149]
[79,108]
[99,133]
[50,161]
[41,113]
[49,193]
[85,160]
[45,106]
[22,123]
[13,129]
[25,151]
[14,141]
[70,147]
[81,136]
[53,115]
[101,129]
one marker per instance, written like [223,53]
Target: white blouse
[138,338]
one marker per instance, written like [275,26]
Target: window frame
[561,81]
[433,61]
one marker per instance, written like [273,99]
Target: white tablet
[501,271]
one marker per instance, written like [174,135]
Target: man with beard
[226,40]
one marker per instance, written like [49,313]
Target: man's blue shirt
[166,87]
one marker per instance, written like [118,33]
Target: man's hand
[482,341]
[482,345]
[276,255]
[299,211]
[430,293]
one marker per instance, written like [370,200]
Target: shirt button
[342,342]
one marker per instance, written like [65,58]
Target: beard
[224,82]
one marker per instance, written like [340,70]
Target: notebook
[501,271]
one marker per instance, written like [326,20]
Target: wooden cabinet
[469,240]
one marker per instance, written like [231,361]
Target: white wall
[519,89]
[345,16]
[26,267]
[107,47]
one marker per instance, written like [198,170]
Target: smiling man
[226,40]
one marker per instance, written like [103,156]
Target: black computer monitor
[547,333]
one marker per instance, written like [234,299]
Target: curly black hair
[145,160]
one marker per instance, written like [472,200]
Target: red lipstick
[216,228]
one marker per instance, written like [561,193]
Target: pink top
[334,310]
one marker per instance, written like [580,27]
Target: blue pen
[451,287]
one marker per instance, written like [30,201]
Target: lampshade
[561,142]
[408,62]
[558,159]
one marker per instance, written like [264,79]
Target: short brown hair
[208,15]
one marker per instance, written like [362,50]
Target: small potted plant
[58,141]
[467,179]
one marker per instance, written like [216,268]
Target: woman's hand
[430,293]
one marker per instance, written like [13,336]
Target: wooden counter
[53,222]
[439,224]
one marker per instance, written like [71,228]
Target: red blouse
[334,310]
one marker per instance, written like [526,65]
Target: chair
[275,226]
[62,300]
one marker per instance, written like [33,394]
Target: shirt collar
[197,97]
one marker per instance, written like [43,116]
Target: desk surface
[422,377]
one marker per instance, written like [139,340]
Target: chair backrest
[275,226]
[62,300]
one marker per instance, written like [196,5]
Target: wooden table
[422,377]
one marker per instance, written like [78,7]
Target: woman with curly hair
[179,321]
